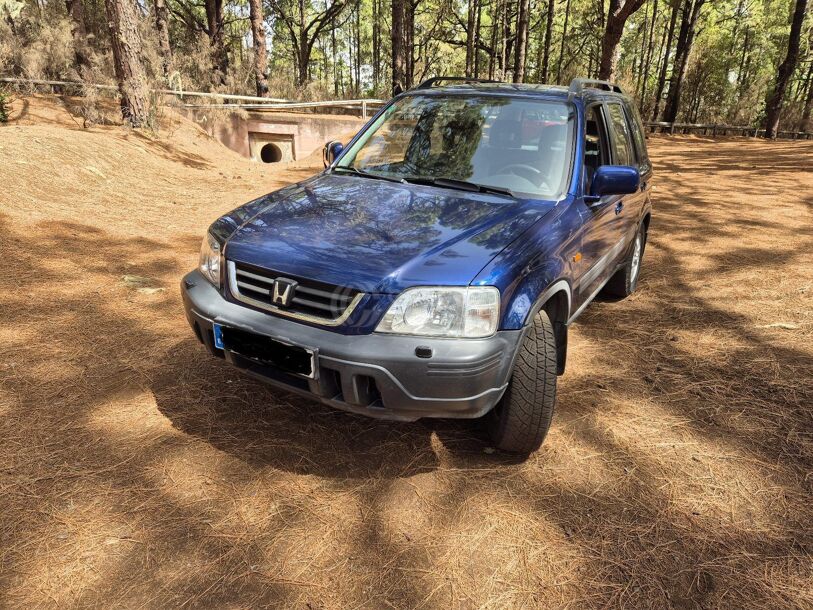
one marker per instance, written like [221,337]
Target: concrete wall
[297,135]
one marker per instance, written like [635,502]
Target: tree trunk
[398,47]
[805,123]
[162,30]
[745,48]
[255,11]
[609,43]
[617,15]
[545,66]
[665,65]
[777,98]
[562,47]
[521,49]
[358,47]
[376,44]
[217,42]
[471,21]
[409,41]
[303,53]
[648,59]
[688,25]
[122,19]
[301,47]
[335,62]
[495,29]
[477,40]
[639,70]
[505,55]
[81,53]
[351,67]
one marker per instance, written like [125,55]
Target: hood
[374,235]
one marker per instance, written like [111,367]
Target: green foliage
[733,62]
[731,68]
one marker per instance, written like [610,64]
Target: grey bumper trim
[500,389]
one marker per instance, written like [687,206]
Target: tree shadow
[137,467]
[264,426]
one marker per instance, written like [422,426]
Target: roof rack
[577,85]
[431,82]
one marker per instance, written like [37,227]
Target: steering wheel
[529,172]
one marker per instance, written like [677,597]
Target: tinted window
[595,145]
[499,141]
[622,144]
[638,134]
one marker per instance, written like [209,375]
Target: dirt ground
[138,471]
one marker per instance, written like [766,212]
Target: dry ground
[137,471]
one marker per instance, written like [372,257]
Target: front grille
[313,301]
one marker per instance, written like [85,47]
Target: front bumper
[376,375]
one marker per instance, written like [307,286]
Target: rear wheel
[520,421]
[625,280]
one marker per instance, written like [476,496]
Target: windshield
[503,142]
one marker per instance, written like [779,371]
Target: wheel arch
[556,300]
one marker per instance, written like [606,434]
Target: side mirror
[614,180]
[331,150]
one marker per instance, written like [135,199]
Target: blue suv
[434,267]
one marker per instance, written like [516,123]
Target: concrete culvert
[271,153]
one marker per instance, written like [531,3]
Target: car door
[603,229]
[624,153]
[644,164]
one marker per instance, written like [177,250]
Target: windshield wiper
[361,172]
[462,185]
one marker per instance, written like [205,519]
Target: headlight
[210,259]
[444,312]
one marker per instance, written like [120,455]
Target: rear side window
[638,137]
[623,153]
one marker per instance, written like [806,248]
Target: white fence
[365,106]
[222,100]
[714,130]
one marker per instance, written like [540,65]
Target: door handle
[619,207]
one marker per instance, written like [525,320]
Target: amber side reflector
[577,257]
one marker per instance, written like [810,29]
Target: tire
[522,417]
[625,280]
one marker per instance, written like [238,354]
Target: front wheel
[520,421]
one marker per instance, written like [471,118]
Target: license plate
[267,351]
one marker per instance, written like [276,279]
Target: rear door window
[637,128]
[623,152]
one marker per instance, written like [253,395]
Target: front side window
[622,146]
[495,141]
[596,150]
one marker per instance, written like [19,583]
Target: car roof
[586,93]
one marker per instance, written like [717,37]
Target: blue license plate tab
[218,332]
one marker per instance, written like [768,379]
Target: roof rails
[577,85]
[431,82]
